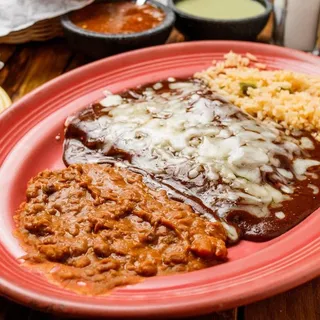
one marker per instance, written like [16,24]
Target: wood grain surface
[28,66]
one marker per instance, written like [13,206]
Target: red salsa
[118,17]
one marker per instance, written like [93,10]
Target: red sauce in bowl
[118,17]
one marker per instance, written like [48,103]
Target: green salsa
[221,9]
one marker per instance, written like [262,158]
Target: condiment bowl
[197,28]
[98,45]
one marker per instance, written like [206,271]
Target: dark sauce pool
[205,152]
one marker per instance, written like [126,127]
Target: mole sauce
[204,151]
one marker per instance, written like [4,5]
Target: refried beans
[93,227]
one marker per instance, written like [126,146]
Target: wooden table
[30,65]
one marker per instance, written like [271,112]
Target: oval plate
[28,145]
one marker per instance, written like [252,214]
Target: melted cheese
[182,130]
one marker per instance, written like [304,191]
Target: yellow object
[5,101]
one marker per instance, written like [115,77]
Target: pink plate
[27,145]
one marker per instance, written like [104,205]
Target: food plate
[29,144]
